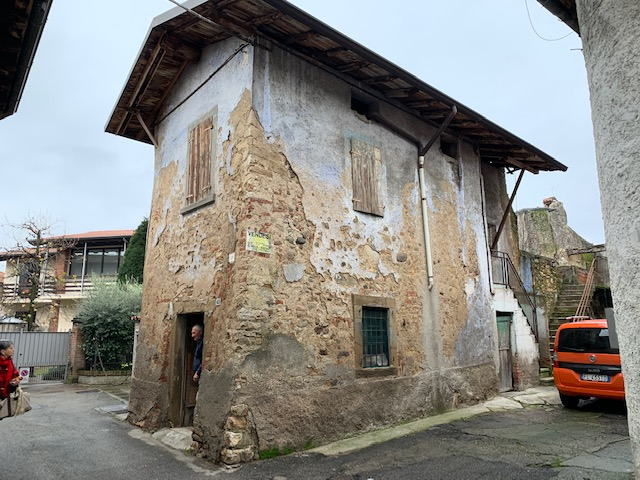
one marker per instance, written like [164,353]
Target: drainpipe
[422,151]
[423,194]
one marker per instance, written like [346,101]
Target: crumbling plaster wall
[187,258]
[282,339]
[307,112]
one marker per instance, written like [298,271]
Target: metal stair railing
[505,273]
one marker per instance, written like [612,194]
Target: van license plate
[593,377]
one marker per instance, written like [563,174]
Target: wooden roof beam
[423,104]
[222,4]
[401,92]
[348,67]
[143,81]
[299,37]
[265,19]
[521,165]
[380,79]
[175,46]
[168,90]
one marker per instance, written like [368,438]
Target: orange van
[584,364]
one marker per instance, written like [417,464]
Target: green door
[504,351]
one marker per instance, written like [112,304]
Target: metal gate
[43,356]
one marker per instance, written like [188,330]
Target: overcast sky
[57,159]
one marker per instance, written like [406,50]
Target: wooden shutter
[366,172]
[199,181]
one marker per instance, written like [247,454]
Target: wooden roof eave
[565,10]
[342,57]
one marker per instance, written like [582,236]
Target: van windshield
[594,340]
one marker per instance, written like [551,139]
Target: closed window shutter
[204,163]
[199,161]
[192,166]
[366,172]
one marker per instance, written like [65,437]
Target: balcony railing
[505,273]
[51,287]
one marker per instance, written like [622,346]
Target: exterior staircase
[566,306]
[546,377]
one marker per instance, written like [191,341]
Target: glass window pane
[76,264]
[94,262]
[110,264]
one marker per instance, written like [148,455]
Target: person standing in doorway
[196,334]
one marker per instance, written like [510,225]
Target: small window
[199,172]
[375,345]
[366,172]
[375,337]
[449,147]
[363,105]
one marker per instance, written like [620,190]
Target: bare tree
[35,246]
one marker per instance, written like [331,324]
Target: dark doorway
[188,388]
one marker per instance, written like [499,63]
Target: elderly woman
[9,375]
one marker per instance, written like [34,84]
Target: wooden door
[504,351]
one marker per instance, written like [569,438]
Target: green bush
[54,373]
[107,327]
[132,267]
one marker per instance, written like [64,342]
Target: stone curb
[532,397]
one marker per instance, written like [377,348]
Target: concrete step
[546,381]
[178,438]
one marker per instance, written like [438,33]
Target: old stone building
[328,218]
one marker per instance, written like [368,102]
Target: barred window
[375,337]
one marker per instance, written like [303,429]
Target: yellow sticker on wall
[258,242]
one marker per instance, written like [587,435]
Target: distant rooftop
[96,234]
[94,237]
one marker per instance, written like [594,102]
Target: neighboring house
[328,218]
[66,275]
[21,26]
[610,34]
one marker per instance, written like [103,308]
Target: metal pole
[506,211]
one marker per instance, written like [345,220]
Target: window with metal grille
[375,337]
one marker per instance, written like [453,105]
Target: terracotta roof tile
[98,234]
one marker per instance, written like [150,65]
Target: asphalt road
[70,435]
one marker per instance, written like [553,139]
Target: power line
[526,4]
